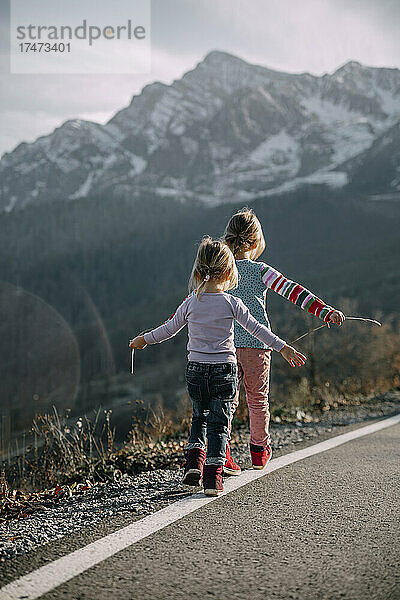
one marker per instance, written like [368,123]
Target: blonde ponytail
[214,261]
[244,232]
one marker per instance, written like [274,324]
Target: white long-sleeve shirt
[210,322]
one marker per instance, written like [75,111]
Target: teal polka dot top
[252,291]
[255,278]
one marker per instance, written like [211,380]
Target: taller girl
[245,238]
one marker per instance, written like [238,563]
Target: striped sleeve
[295,292]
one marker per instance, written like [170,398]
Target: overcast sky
[289,35]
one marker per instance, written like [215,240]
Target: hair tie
[206,278]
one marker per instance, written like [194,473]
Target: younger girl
[211,373]
[245,238]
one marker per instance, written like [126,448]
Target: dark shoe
[230,467]
[194,466]
[212,480]
[260,456]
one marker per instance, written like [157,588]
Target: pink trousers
[253,370]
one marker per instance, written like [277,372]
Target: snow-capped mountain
[227,130]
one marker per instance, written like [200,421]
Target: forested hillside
[91,274]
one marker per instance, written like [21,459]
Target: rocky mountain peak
[226,129]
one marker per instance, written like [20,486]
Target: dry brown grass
[67,453]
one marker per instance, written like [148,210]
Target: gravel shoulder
[106,507]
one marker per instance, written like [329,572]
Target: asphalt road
[326,527]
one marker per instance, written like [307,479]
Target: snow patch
[385,141]
[348,140]
[278,149]
[276,157]
[84,188]
[348,132]
[390,102]
[334,179]
[110,161]
[177,128]
[167,192]
[11,204]
[138,164]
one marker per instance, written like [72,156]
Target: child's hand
[294,358]
[337,317]
[138,343]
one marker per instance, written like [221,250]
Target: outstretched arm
[299,295]
[265,335]
[170,327]
[250,324]
[164,331]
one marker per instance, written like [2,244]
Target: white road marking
[46,578]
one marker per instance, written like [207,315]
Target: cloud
[311,35]
[33,105]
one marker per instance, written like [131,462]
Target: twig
[364,319]
[327,325]
[308,332]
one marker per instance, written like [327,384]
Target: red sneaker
[260,456]
[195,458]
[230,467]
[212,480]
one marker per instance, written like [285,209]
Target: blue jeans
[212,389]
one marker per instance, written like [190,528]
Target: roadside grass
[67,455]
[76,454]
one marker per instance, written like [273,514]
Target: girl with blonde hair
[211,372]
[245,238]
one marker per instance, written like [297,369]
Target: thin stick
[363,319]
[133,361]
[307,333]
[327,325]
